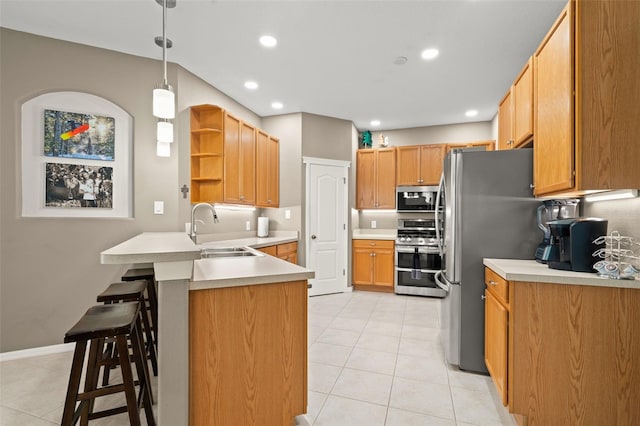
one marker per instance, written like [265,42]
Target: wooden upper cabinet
[267,170]
[523,106]
[207,150]
[585,78]
[505,110]
[375,178]
[408,165]
[481,145]
[239,161]
[419,164]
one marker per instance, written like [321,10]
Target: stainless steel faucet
[192,234]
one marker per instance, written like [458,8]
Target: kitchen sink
[212,252]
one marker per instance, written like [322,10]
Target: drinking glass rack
[620,253]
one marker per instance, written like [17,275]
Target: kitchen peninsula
[232,345]
[562,347]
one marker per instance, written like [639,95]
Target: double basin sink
[214,252]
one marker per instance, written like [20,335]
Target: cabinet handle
[493,282]
[374,255]
[532,186]
[242,197]
[268,201]
[483,297]
[371,254]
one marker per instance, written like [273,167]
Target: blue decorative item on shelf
[366,139]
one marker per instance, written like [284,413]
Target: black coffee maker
[572,240]
[548,211]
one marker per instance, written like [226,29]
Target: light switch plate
[287,214]
[158,207]
[374,224]
[248,226]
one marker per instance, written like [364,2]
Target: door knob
[313,237]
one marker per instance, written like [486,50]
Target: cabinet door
[273,178]
[523,105]
[495,343]
[408,165]
[505,138]
[431,159]
[231,159]
[247,164]
[365,179]
[386,179]
[553,150]
[267,170]
[362,265]
[383,268]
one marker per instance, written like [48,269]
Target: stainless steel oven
[417,257]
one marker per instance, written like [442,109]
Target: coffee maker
[553,210]
[573,241]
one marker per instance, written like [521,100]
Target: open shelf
[207,151]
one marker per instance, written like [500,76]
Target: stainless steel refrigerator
[489,211]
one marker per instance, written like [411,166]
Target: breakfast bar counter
[238,312]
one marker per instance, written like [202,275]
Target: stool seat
[138,274]
[124,290]
[104,321]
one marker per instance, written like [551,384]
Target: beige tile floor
[374,359]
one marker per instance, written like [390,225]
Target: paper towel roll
[263,226]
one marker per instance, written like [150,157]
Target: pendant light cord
[164,40]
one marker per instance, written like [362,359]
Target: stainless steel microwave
[416,198]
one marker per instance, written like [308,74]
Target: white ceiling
[333,58]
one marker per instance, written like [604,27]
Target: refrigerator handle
[439,238]
[443,285]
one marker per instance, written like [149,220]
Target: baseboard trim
[43,350]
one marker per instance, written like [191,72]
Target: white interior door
[326,236]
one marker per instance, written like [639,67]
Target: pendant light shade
[164,102]
[163,149]
[164,131]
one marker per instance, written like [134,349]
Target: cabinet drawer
[497,285]
[388,244]
[283,249]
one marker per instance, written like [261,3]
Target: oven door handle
[421,250]
[440,283]
[426,271]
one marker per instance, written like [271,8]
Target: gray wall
[50,270]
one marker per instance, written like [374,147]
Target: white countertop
[532,271]
[152,247]
[245,270]
[374,234]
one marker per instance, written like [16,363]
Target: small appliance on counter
[548,211]
[574,240]
[263,226]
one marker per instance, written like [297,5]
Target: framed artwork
[77,135]
[76,164]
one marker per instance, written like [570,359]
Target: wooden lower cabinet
[286,251]
[373,265]
[248,354]
[572,352]
[496,317]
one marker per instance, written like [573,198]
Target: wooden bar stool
[131,292]
[122,322]
[148,275]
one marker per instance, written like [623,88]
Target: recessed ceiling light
[471,113]
[375,122]
[252,85]
[430,53]
[276,105]
[268,41]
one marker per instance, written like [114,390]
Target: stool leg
[143,374]
[74,384]
[147,330]
[91,379]
[153,303]
[127,378]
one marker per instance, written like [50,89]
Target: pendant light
[164,104]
